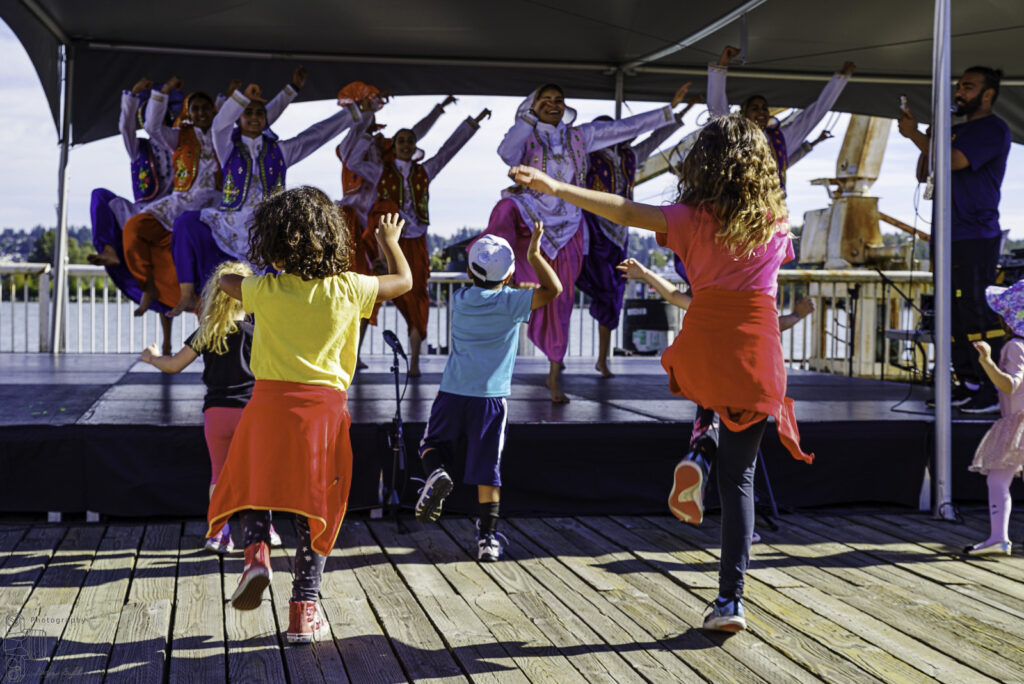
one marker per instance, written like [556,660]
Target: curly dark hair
[731,171]
[302,232]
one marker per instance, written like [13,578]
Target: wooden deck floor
[868,596]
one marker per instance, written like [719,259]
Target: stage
[107,434]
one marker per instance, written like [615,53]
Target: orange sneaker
[255,577]
[305,623]
[686,500]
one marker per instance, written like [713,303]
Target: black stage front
[105,433]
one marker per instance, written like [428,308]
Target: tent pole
[620,78]
[60,243]
[942,208]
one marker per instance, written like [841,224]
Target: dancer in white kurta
[543,136]
[403,186]
[255,164]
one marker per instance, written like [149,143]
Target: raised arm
[286,96]
[313,138]
[511,148]
[156,114]
[224,124]
[453,144]
[601,134]
[550,285]
[633,269]
[618,209]
[718,101]
[424,125]
[797,130]
[398,280]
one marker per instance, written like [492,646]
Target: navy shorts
[477,422]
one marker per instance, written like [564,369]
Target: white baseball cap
[491,258]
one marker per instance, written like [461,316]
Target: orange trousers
[147,254]
[414,305]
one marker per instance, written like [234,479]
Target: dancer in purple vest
[613,170]
[543,136]
[782,139]
[254,166]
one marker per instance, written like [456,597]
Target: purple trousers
[598,277]
[549,325]
[196,254]
[107,231]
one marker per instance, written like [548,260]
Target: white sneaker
[490,547]
[437,486]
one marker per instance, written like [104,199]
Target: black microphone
[392,341]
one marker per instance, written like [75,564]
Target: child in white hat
[470,405]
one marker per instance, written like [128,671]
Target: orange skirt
[728,358]
[291,452]
[414,305]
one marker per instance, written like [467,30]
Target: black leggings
[309,565]
[734,466]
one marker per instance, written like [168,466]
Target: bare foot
[602,367]
[108,257]
[188,302]
[554,383]
[149,295]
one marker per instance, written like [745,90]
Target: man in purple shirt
[978,160]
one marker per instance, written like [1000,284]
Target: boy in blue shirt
[470,404]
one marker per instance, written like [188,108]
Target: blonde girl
[224,340]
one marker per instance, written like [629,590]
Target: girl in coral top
[291,449]
[729,228]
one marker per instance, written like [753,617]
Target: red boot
[305,623]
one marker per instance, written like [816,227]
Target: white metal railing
[845,335]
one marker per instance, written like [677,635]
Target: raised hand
[532,178]
[253,92]
[233,85]
[906,122]
[173,83]
[803,307]
[142,84]
[680,94]
[848,68]
[389,228]
[447,101]
[538,232]
[299,77]
[729,53]
[632,269]
[486,114]
[371,103]
[984,351]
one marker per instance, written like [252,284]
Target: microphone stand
[396,442]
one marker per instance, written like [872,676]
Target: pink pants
[549,325]
[219,425]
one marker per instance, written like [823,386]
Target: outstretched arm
[168,364]
[802,308]
[633,269]
[156,111]
[718,101]
[398,281]
[618,209]
[550,285]
[797,130]
[455,142]
[424,125]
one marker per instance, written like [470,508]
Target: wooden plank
[545,574]
[86,642]
[10,536]
[197,634]
[315,662]
[824,648]
[757,654]
[253,637]
[21,570]
[365,650]
[523,636]
[419,647]
[625,580]
[46,613]
[141,647]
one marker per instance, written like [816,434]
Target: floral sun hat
[1008,302]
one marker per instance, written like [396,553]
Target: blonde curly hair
[731,172]
[221,312]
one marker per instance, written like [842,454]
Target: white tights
[999,503]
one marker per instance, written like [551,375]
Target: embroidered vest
[777,141]
[537,154]
[145,181]
[601,174]
[186,159]
[237,171]
[392,186]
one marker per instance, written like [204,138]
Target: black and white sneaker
[959,395]
[490,547]
[437,486]
[981,403]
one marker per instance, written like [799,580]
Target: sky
[463,194]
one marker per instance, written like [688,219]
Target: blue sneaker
[726,616]
[490,547]
[437,486]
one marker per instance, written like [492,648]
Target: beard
[968,107]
